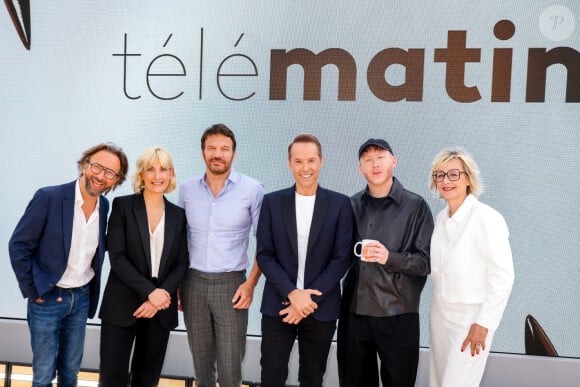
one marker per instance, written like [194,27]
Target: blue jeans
[57,334]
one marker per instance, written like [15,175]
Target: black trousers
[314,340]
[396,341]
[150,345]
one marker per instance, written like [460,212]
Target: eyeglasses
[98,168]
[452,175]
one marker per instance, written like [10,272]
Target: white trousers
[448,326]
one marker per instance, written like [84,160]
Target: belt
[73,289]
[213,276]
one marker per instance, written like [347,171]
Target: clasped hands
[159,299]
[300,305]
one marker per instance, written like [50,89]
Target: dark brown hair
[218,129]
[306,137]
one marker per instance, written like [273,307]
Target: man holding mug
[381,294]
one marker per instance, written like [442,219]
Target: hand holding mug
[371,251]
[365,253]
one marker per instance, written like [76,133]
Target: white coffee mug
[364,251]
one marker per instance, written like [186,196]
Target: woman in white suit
[472,274]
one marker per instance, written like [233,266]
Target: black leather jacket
[402,222]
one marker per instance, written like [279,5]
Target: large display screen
[500,79]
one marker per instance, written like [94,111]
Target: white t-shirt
[304,212]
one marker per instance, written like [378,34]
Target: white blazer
[471,260]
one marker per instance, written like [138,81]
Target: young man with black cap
[381,294]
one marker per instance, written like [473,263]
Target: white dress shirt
[84,243]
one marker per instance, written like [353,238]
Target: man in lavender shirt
[221,206]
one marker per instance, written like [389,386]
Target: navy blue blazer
[40,243]
[329,252]
[130,280]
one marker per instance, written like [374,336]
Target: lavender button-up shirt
[218,228]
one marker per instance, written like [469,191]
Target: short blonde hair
[471,170]
[147,158]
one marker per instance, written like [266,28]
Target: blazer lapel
[103,212]
[141,218]
[68,208]
[318,217]
[170,231]
[289,218]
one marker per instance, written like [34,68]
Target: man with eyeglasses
[57,251]
[381,294]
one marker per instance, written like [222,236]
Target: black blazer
[129,281]
[328,256]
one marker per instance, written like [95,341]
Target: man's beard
[89,188]
[225,168]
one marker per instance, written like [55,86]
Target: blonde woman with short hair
[472,274]
[148,252]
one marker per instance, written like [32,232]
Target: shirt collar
[395,194]
[233,178]
[465,208]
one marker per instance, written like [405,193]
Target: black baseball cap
[379,143]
